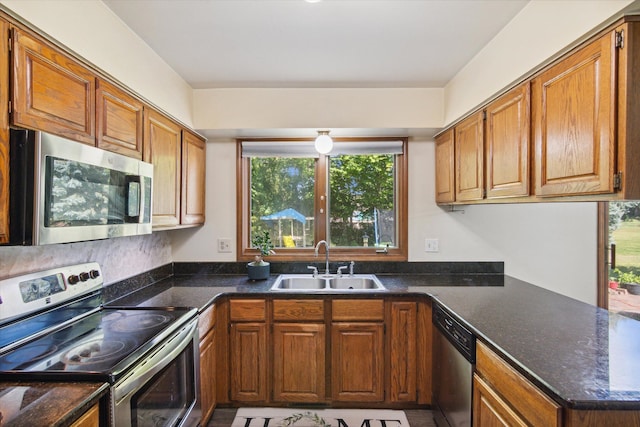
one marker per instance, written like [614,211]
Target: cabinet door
[574,123]
[514,391]
[445,168]
[357,371]
[208,375]
[4,135]
[51,91]
[248,351]
[507,144]
[298,362]
[119,120]
[403,363]
[469,154]
[193,179]
[424,353]
[489,410]
[162,139]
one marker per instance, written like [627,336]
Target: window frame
[243,217]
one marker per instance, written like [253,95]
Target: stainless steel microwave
[64,191]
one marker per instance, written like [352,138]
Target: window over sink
[355,198]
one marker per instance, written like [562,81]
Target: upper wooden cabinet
[507,144]
[4,135]
[445,168]
[119,120]
[179,159]
[574,122]
[51,91]
[162,147]
[192,205]
[580,111]
[469,155]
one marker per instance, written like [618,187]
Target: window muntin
[391,225]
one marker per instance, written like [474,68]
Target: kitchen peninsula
[577,354]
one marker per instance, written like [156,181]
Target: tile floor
[223,417]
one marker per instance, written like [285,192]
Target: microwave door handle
[135,199]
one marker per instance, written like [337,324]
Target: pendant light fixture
[324,143]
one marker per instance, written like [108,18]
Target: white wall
[551,245]
[91,29]
[318,108]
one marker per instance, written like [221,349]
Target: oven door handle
[157,361]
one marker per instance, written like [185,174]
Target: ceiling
[330,43]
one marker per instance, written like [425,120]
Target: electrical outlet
[224,245]
[431,245]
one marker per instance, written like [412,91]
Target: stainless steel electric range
[53,326]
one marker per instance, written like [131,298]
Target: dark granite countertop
[46,403]
[582,356]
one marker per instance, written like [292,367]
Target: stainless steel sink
[361,282]
[308,283]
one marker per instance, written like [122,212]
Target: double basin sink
[327,282]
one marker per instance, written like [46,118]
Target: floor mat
[300,417]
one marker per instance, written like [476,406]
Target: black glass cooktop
[101,345]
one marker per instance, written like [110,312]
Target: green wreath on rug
[313,416]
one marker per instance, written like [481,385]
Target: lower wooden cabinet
[502,396]
[357,362]
[402,351]
[248,358]
[326,350]
[489,410]
[299,362]
[248,362]
[207,331]
[91,418]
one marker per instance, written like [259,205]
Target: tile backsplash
[119,258]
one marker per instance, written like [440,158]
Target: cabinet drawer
[247,309]
[207,321]
[298,309]
[357,309]
[525,398]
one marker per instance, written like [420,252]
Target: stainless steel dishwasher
[454,350]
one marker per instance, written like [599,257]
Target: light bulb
[323,143]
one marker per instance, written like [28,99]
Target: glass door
[621,250]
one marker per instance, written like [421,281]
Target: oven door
[162,388]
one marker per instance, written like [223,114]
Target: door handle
[612,262]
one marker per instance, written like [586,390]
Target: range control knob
[84,276]
[73,279]
[94,274]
